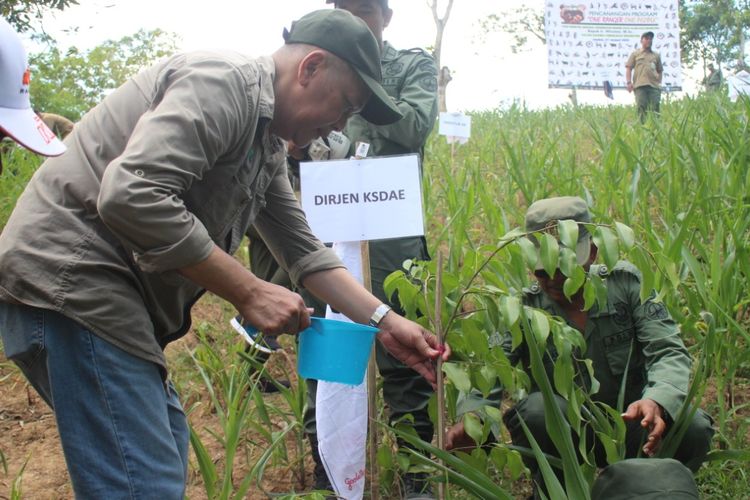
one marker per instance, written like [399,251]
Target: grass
[680,182]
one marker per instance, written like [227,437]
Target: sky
[486,75]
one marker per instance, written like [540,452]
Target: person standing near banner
[643,72]
[714,79]
[410,78]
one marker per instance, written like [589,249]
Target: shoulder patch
[394,68]
[429,83]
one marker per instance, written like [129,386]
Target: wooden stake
[364,247]
[438,325]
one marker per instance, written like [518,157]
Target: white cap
[17,119]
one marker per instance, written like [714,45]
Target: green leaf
[606,242]
[515,464]
[540,326]
[549,252]
[626,235]
[563,370]
[589,295]
[473,427]
[510,308]
[568,261]
[568,230]
[575,282]
[493,413]
[600,289]
[530,254]
[458,376]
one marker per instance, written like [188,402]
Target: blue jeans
[123,431]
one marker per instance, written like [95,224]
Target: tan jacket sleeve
[283,227]
[197,114]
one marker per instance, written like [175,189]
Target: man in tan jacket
[643,72]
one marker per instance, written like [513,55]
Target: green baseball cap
[545,214]
[645,479]
[349,38]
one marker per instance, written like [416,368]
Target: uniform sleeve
[631,61]
[284,229]
[199,110]
[417,101]
[667,360]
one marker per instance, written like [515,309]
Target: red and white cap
[17,119]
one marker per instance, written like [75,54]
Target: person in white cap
[18,120]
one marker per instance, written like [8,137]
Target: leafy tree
[72,82]
[19,13]
[523,23]
[714,30]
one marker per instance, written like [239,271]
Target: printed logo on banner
[589,43]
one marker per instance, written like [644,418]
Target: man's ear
[310,66]
[387,15]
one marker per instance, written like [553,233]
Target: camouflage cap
[645,479]
[543,215]
[349,38]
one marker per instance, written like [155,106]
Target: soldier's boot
[416,486]
[320,477]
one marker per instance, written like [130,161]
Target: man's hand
[630,86]
[457,439]
[269,308]
[652,418]
[274,310]
[412,344]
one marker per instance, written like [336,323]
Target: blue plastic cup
[335,351]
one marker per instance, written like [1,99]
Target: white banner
[368,199]
[589,42]
[341,411]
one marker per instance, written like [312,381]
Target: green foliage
[72,82]
[709,30]
[21,13]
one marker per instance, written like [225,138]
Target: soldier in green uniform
[643,72]
[657,374]
[714,79]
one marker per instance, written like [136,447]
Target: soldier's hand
[457,439]
[652,418]
[630,87]
[274,310]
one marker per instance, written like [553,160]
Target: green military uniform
[659,367]
[410,77]
[647,73]
[713,80]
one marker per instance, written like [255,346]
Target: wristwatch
[379,314]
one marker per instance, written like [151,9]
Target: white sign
[455,125]
[589,42]
[367,199]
